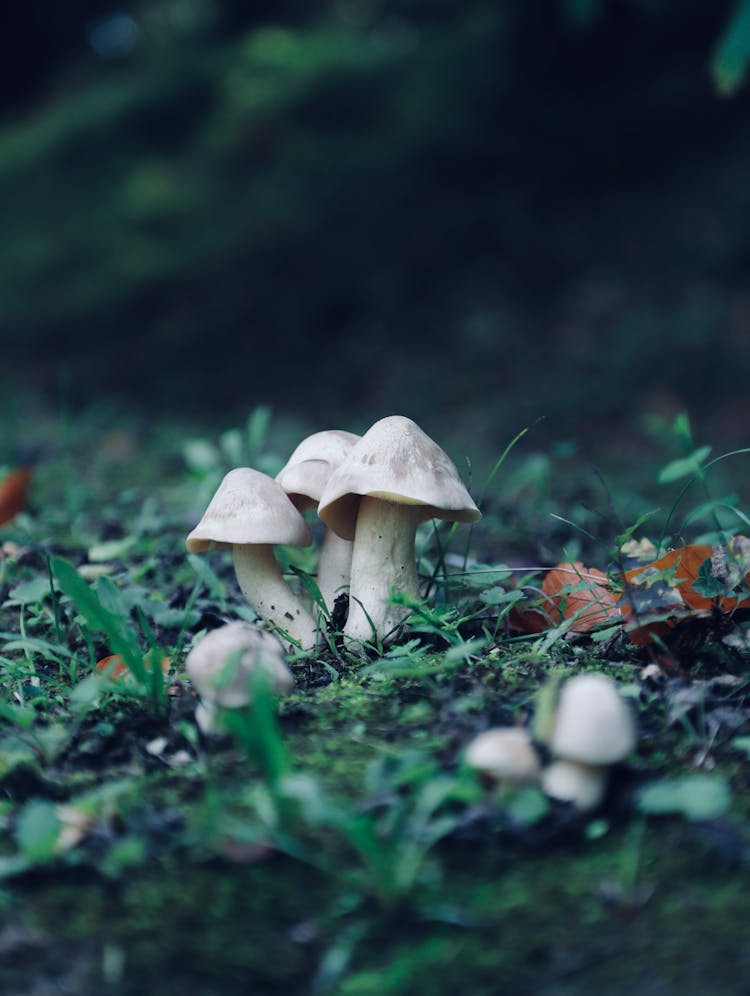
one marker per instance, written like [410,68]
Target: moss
[189,928]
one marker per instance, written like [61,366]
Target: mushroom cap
[593,724]
[579,784]
[505,755]
[397,462]
[209,664]
[248,507]
[307,470]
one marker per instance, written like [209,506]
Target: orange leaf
[687,562]
[13,488]
[118,665]
[579,593]
[119,668]
[658,596]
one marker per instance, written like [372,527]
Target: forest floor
[337,842]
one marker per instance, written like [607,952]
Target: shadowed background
[469,211]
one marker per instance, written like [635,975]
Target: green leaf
[732,52]
[17,755]
[706,584]
[37,831]
[684,467]
[117,629]
[85,694]
[256,431]
[111,550]
[546,707]
[743,744]
[463,651]
[13,864]
[30,592]
[200,455]
[215,586]
[231,443]
[696,797]
[526,805]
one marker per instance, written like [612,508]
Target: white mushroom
[250,513]
[583,785]
[593,728]
[394,478]
[221,667]
[505,755]
[304,478]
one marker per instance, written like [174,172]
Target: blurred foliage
[371,204]
[732,51]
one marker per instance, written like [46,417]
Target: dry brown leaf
[13,488]
[580,593]
[660,596]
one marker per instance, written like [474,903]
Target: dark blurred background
[486,212]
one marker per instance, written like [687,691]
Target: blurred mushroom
[592,729]
[505,755]
[394,478]
[304,478]
[250,513]
[583,785]
[221,666]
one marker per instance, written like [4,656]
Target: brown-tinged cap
[398,462]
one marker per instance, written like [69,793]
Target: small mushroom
[221,666]
[250,513]
[393,479]
[505,755]
[592,730]
[583,785]
[304,478]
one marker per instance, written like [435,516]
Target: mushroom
[304,478]
[583,785]
[592,729]
[221,666]
[250,512]
[505,755]
[394,478]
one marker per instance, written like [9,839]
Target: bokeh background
[480,214]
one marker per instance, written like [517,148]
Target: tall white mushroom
[394,478]
[250,513]
[592,729]
[221,666]
[304,478]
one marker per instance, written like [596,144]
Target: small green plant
[100,611]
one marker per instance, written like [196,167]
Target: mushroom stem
[334,566]
[383,560]
[266,591]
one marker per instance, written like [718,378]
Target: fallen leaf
[580,593]
[13,488]
[117,668]
[680,569]
[689,583]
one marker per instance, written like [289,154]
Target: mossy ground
[190,880]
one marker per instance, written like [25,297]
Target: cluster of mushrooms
[588,730]
[372,492]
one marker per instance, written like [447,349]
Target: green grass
[335,842]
